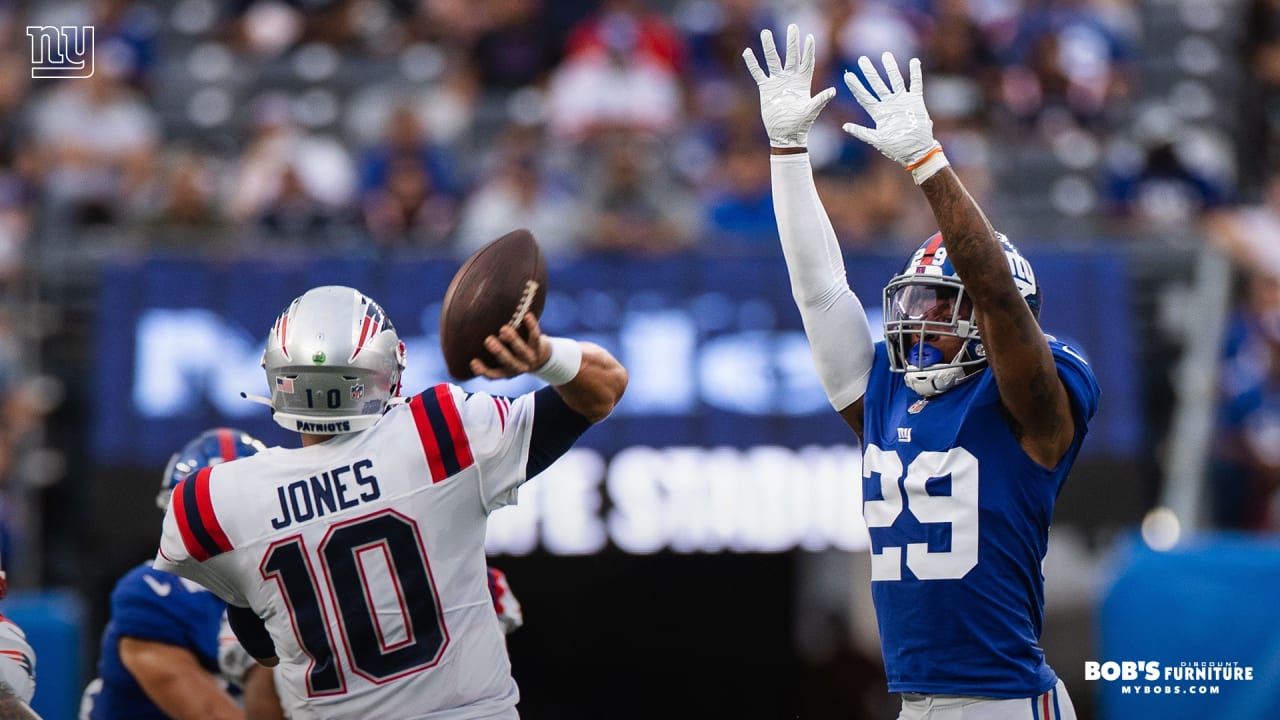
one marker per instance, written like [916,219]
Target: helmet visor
[927,306]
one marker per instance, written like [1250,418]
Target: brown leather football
[496,286]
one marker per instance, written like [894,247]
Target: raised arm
[834,321]
[1017,351]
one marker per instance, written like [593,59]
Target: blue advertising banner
[1191,633]
[722,385]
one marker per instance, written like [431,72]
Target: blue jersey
[959,523]
[150,604]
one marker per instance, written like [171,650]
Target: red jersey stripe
[207,517]
[428,437]
[182,514]
[461,445]
[501,404]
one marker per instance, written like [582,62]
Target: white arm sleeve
[834,320]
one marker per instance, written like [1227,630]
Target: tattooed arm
[1034,398]
[1036,402]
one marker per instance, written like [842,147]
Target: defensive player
[160,649]
[969,415]
[356,562]
[17,666]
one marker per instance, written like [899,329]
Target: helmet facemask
[918,312]
[927,302]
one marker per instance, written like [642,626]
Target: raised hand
[903,130]
[786,105]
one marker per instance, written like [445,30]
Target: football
[496,286]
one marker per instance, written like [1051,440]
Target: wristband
[928,165]
[564,363]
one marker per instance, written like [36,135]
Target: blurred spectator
[739,207]
[1245,469]
[519,46]
[183,207]
[620,74]
[125,31]
[295,214]
[16,200]
[963,74]
[1169,178]
[1248,233]
[845,30]
[291,185]
[1257,144]
[407,210]
[633,207]
[519,194]
[1068,63]
[875,209]
[872,27]
[649,36]
[406,138]
[96,140]
[270,27]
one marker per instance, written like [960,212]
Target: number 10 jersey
[959,520]
[364,554]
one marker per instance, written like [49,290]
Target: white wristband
[564,363]
[930,164]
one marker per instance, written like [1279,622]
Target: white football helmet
[928,299]
[333,362]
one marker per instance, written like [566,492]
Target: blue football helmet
[928,299]
[210,447]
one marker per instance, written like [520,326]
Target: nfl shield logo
[357,391]
[917,406]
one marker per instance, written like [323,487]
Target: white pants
[1053,705]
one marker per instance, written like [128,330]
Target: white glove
[785,104]
[904,130]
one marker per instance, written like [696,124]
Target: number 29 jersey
[364,554]
[959,520]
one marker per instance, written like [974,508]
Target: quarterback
[356,562]
[969,415]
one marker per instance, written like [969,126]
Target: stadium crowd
[398,127]
[604,125]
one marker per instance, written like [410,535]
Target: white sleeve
[173,557]
[498,430]
[834,320]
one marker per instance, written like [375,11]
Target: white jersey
[364,554]
[17,660]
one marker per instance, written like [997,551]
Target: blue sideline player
[970,416]
[160,648]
